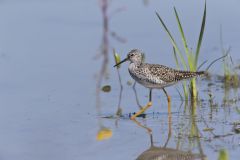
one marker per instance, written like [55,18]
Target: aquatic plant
[223,155]
[117,60]
[191,63]
[104,133]
[230,74]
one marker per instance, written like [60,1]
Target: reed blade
[173,41]
[181,31]
[201,34]
[175,57]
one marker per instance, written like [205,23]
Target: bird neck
[133,66]
[136,64]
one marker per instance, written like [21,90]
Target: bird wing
[161,73]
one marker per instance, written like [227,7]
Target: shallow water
[51,59]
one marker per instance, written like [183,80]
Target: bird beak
[121,62]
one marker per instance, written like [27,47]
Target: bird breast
[137,72]
[142,75]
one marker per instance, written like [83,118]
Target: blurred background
[56,55]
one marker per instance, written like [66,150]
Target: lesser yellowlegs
[154,76]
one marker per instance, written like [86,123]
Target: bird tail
[180,75]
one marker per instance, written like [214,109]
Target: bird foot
[149,104]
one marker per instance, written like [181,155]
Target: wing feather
[161,73]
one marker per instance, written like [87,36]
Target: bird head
[134,56]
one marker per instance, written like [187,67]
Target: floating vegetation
[236,127]
[104,133]
[208,129]
[223,155]
[192,57]
[129,82]
[106,88]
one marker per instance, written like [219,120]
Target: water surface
[51,56]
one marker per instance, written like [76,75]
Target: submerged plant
[191,63]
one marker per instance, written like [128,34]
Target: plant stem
[193,89]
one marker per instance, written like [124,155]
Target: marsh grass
[231,78]
[192,57]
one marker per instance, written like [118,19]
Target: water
[50,61]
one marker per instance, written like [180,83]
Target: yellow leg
[149,130]
[141,111]
[169,125]
[169,99]
[169,108]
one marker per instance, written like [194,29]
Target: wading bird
[154,76]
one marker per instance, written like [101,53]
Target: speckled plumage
[155,75]
[158,153]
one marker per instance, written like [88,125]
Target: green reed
[192,57]
[223,155]
[230,75]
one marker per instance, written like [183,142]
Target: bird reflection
[165,153]
[136,96]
